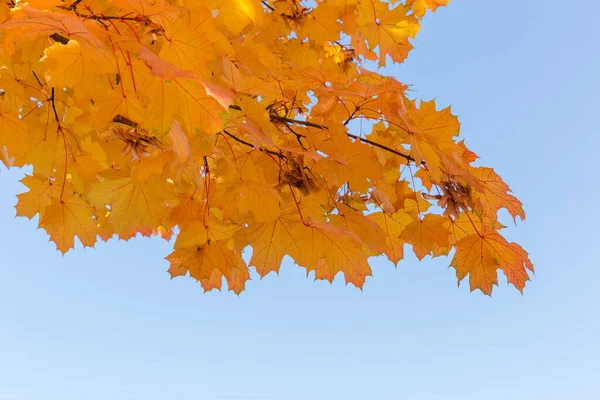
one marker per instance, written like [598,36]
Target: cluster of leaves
[231,120]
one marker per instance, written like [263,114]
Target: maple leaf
[69,65]
[328,249]
[271,241]
[237,14]
[392,226]
[134,206]
[13,131]
[65,219]
[421,6]
[427,235]
[240,123]
[32,23]
[207,260]
[367,230]
[388,29]
[494,194]
[480,256]
[201,249]
[42,191]
[259,199]
[321,25]
[352,162]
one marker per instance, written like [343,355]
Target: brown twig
[37,79]
[318,126]
[51,99]
[264,3]
[263,149]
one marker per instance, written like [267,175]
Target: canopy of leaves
[236,123]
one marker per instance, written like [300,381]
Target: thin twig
[263,149]
[100,17]
[74,4]
[54,106]
[37,79]
[367,141]
[267,5]
[351,116]
[296,121]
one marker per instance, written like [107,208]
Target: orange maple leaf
[480,256]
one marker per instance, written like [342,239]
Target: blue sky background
[108,323]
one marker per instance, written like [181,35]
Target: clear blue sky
[108,324]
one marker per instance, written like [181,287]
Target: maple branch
[74,4]
[367,141]
[51,99]
[299,136]
[206,192]
[275,117]
[279,118]
[101,17]
[263,149]
[110,17]
[351,116]
[37,79]
[264,3]
[372,143]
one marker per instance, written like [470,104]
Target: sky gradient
[109,324]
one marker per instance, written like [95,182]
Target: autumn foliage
[244,123]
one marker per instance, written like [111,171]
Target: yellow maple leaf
[42,191]
[392,226]
[76,65]
[134,206]
[480,256]
[63,220]
[495,194]
[203,261]
[421,6]
[270,242]
[352,162]
[328,249]
[236,15]
[259,199]
[427,234]
[388,29]
[13,131]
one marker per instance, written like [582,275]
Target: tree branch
[367,141]
[264,3]
[263,149]
[54,107]
[279,118]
